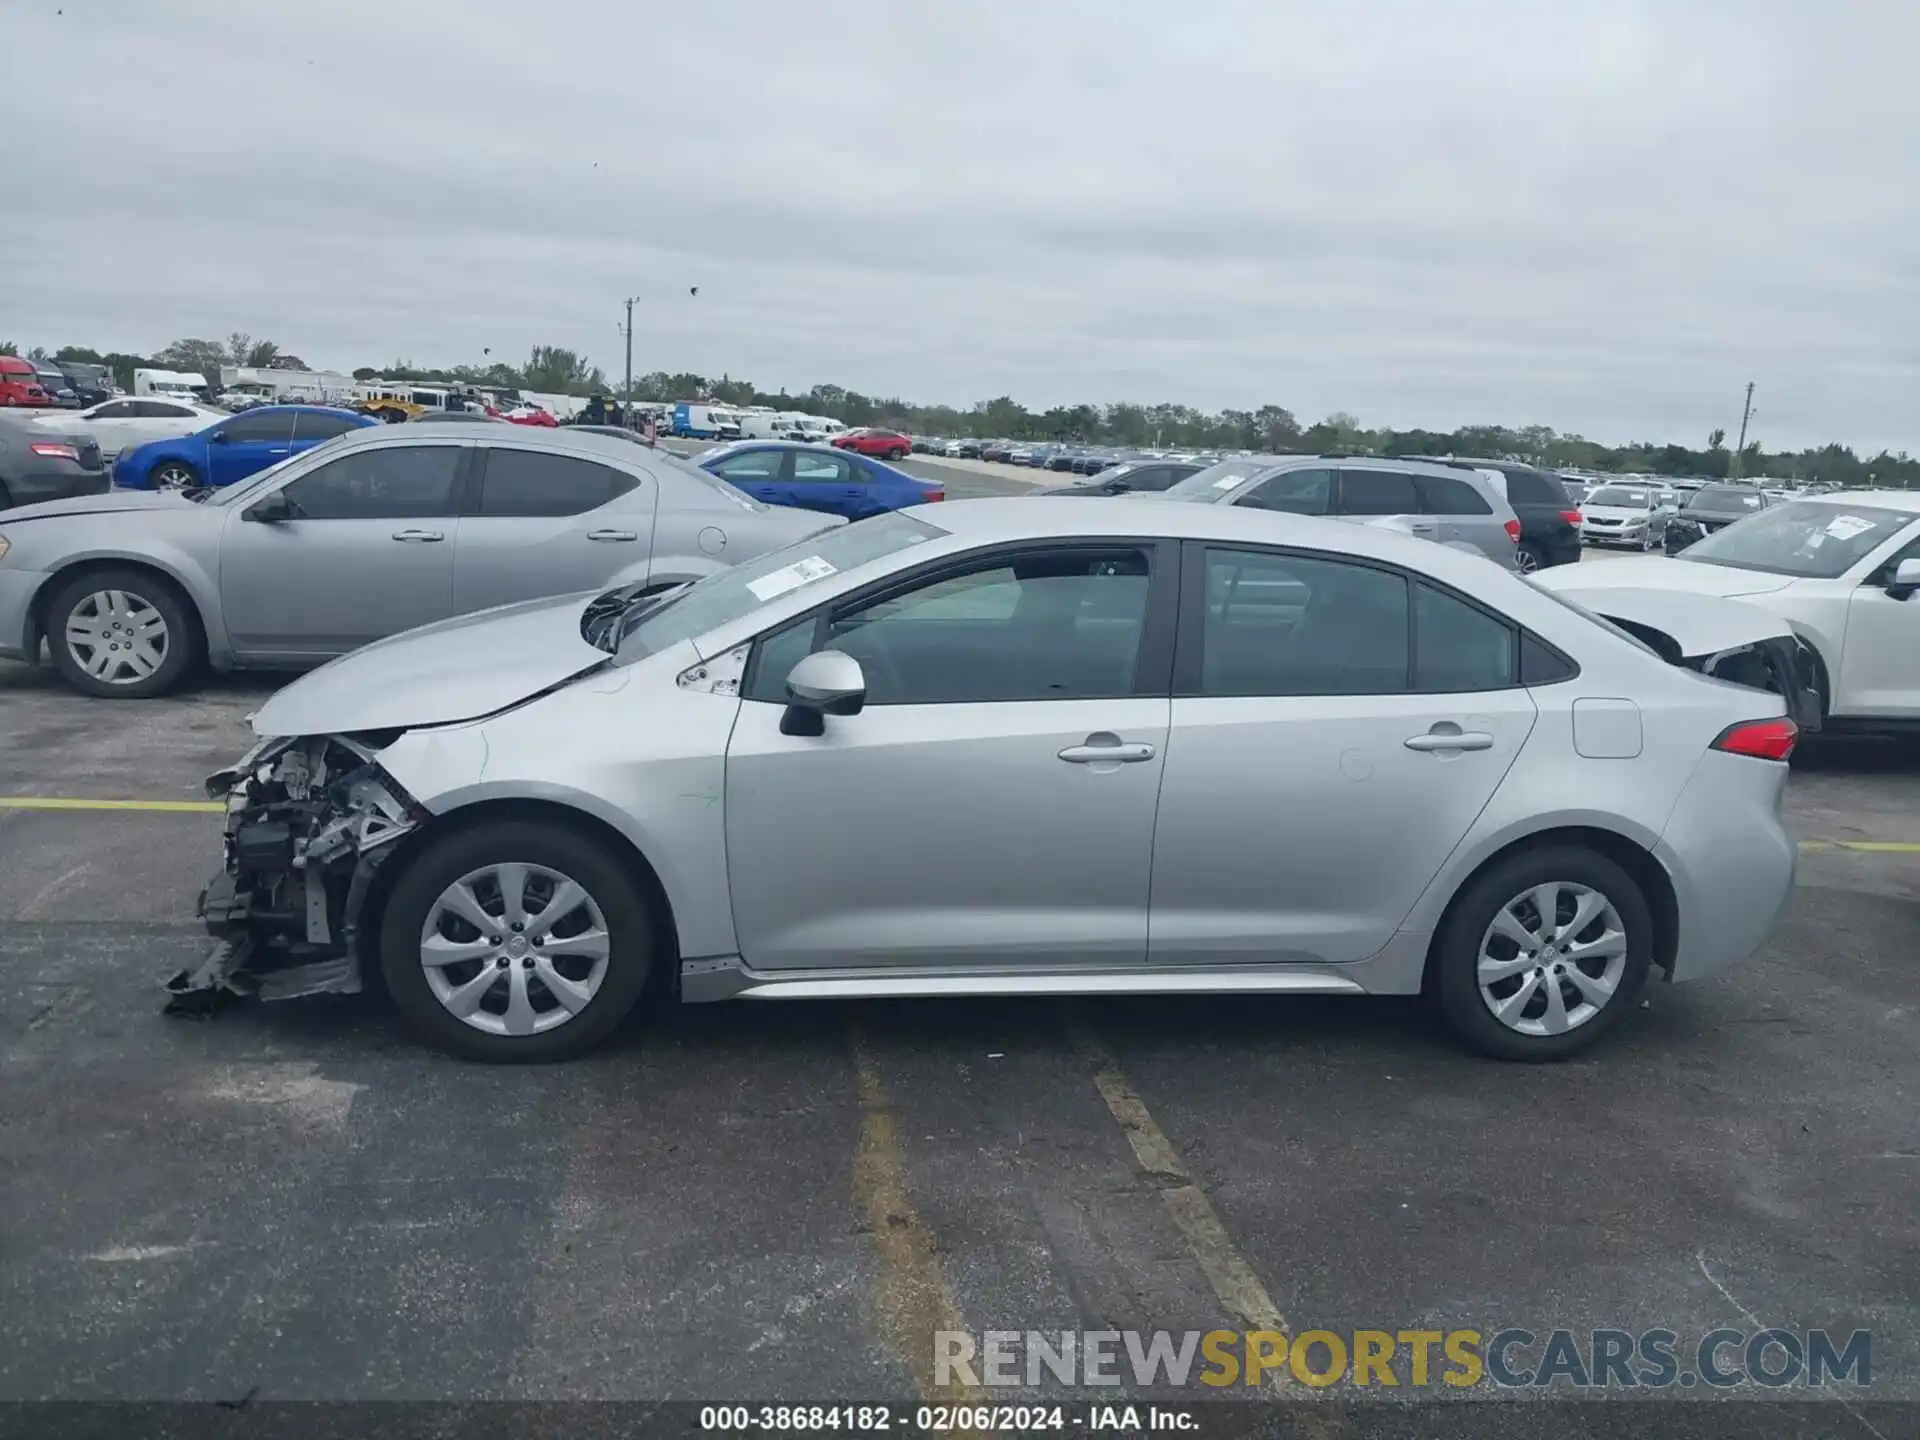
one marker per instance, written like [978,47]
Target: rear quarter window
[1526,488]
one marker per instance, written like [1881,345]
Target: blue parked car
[817,477]
[233,449]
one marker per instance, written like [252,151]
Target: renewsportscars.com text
[1512,1358]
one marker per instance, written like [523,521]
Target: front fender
[646,759]
[189,574]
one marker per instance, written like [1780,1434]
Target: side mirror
[219,437]
[827,682]
[1906,579]
[272,510]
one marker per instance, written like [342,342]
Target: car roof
[1014,517]
[564,440]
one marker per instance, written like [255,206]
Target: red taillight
[1513,531]
[933,495]
[1572,517]
[53,450]
[1762,739]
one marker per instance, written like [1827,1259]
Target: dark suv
[1549,521]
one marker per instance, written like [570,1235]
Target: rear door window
[1377,492]
[530,483]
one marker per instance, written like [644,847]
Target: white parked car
[127,421]
[1841,570]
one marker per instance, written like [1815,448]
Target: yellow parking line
[1233,1280]
[50,802]
[915,1300]
[1871,847]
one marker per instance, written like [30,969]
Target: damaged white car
[1115,747]
[1837,572]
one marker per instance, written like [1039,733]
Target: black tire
[630,930]
[1528,557]
[183,641]
[896,453]
[175,475]
[1456,952]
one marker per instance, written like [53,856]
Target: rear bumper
[1731,861]
[57,482]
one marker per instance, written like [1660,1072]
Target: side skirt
[728,978]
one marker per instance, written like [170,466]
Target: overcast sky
[1601,215]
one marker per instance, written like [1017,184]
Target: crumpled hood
[1659,572]
[457,669]
[1699,624]
[113,502]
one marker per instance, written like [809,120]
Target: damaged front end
[309,823]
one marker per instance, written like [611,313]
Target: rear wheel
[1543,954]
[516,941]
[1527,558]
[895,453]
[122,634]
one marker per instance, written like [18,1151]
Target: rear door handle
[1119,753]
[1422,527]
[1465,740]
[418,537]
[612,535]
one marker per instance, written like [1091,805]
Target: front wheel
[121,634]
[896,453]
[516,941]
[1543,954]
[175,475]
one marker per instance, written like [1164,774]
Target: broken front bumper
[309,823]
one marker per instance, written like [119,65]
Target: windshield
[1214,481]
[1620,495]
[1727,497]
[727,595]
[1807,538]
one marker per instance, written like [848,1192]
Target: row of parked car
[51,384]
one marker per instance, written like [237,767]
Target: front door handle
[1458,740]
[1422,527]
[611,535]
[418,537]
[1113,751]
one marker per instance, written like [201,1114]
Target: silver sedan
[1014,749]
[369,534]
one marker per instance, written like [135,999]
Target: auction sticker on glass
[790,577]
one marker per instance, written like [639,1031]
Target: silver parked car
[1014,749]
[366,535]
[1460,508]
[1631,515]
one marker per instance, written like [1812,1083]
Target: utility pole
[1746,414]
[626,396]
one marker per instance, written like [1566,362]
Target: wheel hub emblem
[517,946]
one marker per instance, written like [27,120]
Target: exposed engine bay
[309,822]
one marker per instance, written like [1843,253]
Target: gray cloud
[1605,216]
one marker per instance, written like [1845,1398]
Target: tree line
[555,369]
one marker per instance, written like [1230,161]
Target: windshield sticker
[790,577]
[1845,527]
[1228,482]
